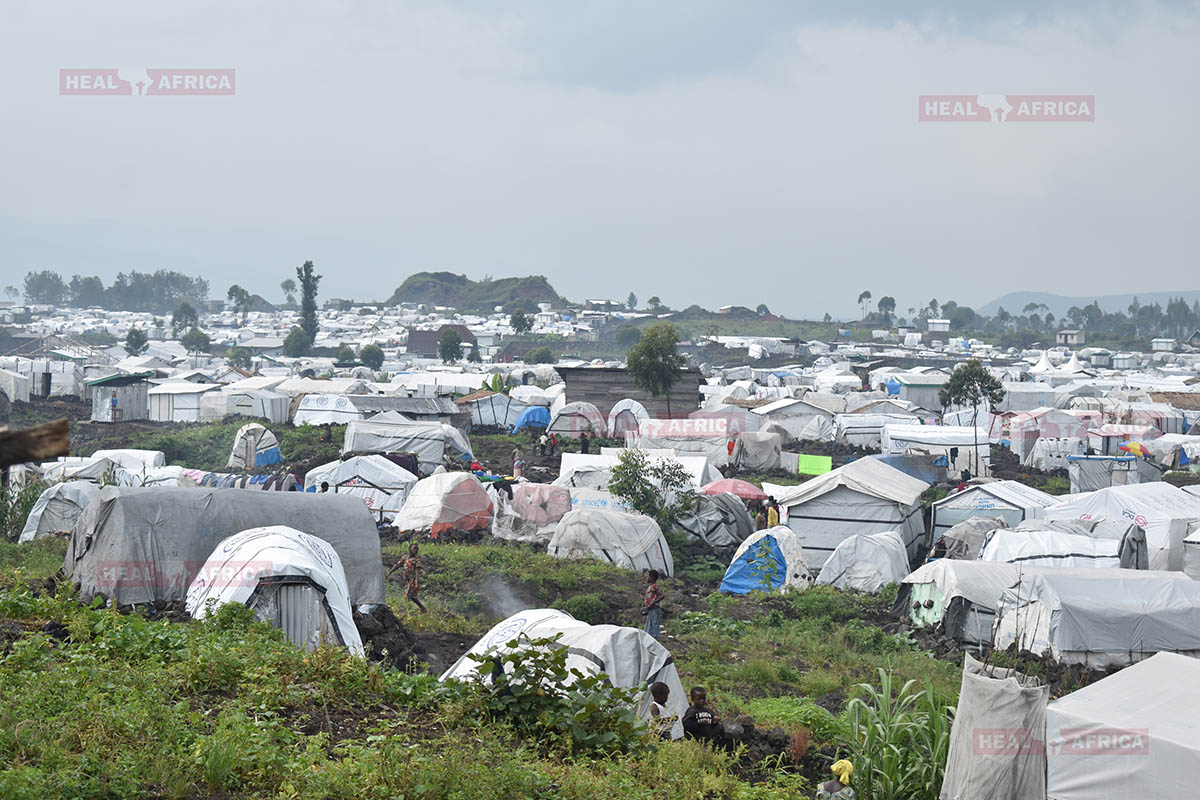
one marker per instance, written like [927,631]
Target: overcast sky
[705,152]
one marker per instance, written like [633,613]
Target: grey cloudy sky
[705,152]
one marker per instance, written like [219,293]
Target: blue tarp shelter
[532,417]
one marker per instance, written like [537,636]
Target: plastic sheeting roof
[633,541]
[866,562]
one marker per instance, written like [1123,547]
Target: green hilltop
[464,294]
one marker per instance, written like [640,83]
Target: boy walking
[652,604]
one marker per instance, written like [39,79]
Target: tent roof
[866,475]
[1012,492]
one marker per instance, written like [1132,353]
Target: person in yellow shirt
[772,512]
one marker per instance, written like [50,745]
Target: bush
[589,608]
[15,505]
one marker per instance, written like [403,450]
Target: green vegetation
[159,292]
[450,346]
[464,294]
[297,343]
[136,341]
[372,356]
[15,505]
[654,362]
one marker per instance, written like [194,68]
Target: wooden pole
[35,444]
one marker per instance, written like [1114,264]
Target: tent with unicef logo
[769,560]
[290,579]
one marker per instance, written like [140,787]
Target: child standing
[412,575]
[652,604]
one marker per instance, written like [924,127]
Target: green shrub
[586,607]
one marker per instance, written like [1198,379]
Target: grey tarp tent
[996,744]
[58,508]
[145,545]
[719,520]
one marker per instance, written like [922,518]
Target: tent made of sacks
[290,579]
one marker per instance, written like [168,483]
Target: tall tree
[762,310]
[86,291]
[46,287]
[371,356]
[12,292]
[240,298]
[887,307]
[654,362]
[631,301]
[519,322]
[654,303]
[136,342]
[864,297]
[309,281]
[450,346]
[185,318]
[971,384]
[195,342]
[289,291]
[473,356]
[297,343]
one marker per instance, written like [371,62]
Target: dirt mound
[386,640]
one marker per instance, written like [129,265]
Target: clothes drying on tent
[767,561]
[253,447]
[631,658]
[446,502]
[146,545]
[58,508]
[532,417]
[289,579]
[633,541]
[866,563]
[576,418]
[718,520]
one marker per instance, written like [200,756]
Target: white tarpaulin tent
[259,403]
[866,563]
[291,580]
[431,441]
[533,512]
[444,502]
[707,437]
[1048,548]
[58,508]
[576,418]
[177,401]
[624,417]
[133,460]
[965,540]
[1100,617]
[631,658]
[941,440]
[1092,473]
[1191,553]
[253,446]
[962,595]
[864,496]
[633,541]
[592,470]
[1009,500]
[382,485]
[1162,510]
[866,429]
[1132,734]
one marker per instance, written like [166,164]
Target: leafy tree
[654,303]
[932,308]
[136,342]
[827,318]
[297,343]
[660,488]
[345,354]
[240,299]
[309,280]
[519,322]
[540,355]
[12,292]
[887,307]
[289,291]
[473,356]
[971,385]
[240,357]
[627,336]
[46,287]
[86,291]
[654,362]
[185,318]
[631,301]
[498,384]
[371,356]
[762,310]
[450,346]
[196,341]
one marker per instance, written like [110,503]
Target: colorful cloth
[412,582]
[652,596]
[845,793]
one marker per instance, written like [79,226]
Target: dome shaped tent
[290,579]
[532,417]
[382,484]
[445,502]
[770,560]
[624,417]
[866,562]
[633,541]
[254,446]
[58,508]
[573,419]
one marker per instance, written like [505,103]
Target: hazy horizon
[705,152]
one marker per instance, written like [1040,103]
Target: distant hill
[464,294]
[1015,302]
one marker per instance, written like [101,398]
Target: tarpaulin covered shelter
[1131,734]
[1012,501]
[445,502]
[768,560]
[864,496]
[633,541]
[1163,511]
[382,484]
[532,514]
[433,442]
[960,595]
[743,489]
[576,418]
[258,403]
[964,540]
[866,563]
[865,429]
[1050,548]
[704,437]
[996,743]
[624,418]
[631,658]
[532,417]
[254,446]
[492,408]
[965,448]
[146,545]
[1092,473]
[133,460]
[58,509]
[177,401]
[718,520]
[1100,617]
[1107,439]
[291,580]
[802,420]
[757,451]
